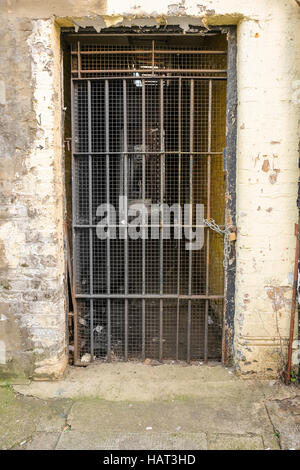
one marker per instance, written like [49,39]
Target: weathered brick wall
[32,297]
[32,262]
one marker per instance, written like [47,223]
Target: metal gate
[148,124]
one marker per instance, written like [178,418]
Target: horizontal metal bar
[147,153]
[150,51]
[149,296]
[181,71]
[148,77]
[143,226]
[146,34]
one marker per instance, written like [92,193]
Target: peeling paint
[273,176]
[277,295]
[140,20]
[266,166]
[177,8]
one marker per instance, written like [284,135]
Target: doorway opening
[148,128]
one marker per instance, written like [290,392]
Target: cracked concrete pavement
[136,406]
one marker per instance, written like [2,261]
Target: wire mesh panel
[149,55]
[148,139]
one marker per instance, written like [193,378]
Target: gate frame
[229,162]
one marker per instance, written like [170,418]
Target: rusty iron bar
[71,256]
[148,76]
[143,240]
[78,59]
[179,215]
[162,194]
[208,218]
[181,71]
[191,163]
[108,272]
[145,226]
[150,296]
[170,152]
[293,310]
[125,228]
[149,51]
[72,289]
[90,219]
[140,34]
[153,56]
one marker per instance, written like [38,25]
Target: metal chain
[216,228]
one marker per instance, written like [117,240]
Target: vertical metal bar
[179,216]
[108,218]
[153,61]
[126,195]
[209,144]
[90,220]
[209,130]
[162,189]
[78,59]
[143,233]
[191,217]
[76,349]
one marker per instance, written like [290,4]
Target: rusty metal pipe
[294,299]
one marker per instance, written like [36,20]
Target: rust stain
[229,220]
[276,294]
[273,176]
[265,166]
[256,160]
